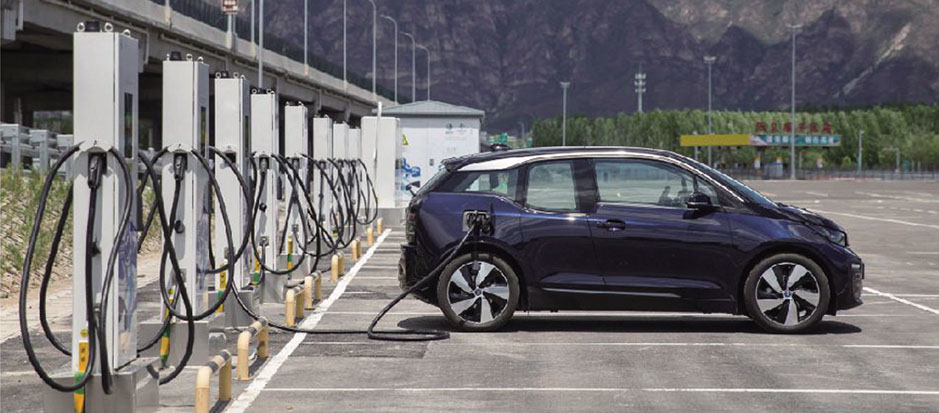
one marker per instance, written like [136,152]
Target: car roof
[512,158]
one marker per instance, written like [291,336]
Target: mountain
[507,56]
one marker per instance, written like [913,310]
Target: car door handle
[612,225]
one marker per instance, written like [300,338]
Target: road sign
[802,140]
[230,6]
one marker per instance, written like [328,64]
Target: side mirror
[700,202]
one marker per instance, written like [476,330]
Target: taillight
[410,224]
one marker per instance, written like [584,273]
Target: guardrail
[293,306]
[220,364]
[257,329]
[211,14]
[926,174]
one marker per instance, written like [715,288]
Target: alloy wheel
[478,292]
[787,293]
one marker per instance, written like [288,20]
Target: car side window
[492,182]
[635,181]
[551,186]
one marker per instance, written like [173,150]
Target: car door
[649,244]
[557,243]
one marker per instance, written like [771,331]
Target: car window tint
[494,182]
[631,181]
[551,186]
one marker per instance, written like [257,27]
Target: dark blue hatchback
[610,228]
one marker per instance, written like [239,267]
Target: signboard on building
[761,140]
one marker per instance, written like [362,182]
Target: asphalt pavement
[878,357]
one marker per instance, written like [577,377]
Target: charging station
[296,144]
[382,153]
[186,127]
[340,141]
[322,150]
[233,137]
[265,131]
[105,116]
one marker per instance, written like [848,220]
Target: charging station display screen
[128,126]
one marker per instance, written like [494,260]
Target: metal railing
[924,174]
[212,15]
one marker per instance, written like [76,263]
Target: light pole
[709,60]
[640,83]
[395,23]
[898,158]
[345,83]
[860,150]
[374,46]
[564,86]
[306,29]
[792,115]
[428,69]
[261,46]
[413,67]
[521,136]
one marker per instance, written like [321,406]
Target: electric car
[615,228]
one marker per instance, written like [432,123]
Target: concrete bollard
[334,268]
[290,308]
[379,226]
[257,329]
[318,287]
[342,264]
[370,236]
[354,247]
[220,364]
[308,292]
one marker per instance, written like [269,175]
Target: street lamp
[640,83]
[709,60]
[261,46]
[564,86]
[428,69]
[374,46]
[860,151]
[792,115]
[395,23]
[345,82]
[413,66]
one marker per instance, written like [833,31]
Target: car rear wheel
[787,293]
[478,295]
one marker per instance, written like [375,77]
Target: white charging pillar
[380,137]
[186,127]
[322,150]
[106,67]
[296,144]
[233,137]
[265,131]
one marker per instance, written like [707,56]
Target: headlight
[832,235]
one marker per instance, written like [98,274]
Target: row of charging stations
[257,247]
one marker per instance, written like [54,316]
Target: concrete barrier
[257,329]
[220,364]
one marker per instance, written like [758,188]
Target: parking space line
[894,221]
[377,278]
[608,314]
[901,300]
[270,369]
[599,390]
[643,344]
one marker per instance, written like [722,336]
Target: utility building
[431,131]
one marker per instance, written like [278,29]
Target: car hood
[804,215]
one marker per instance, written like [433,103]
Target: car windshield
[741,188]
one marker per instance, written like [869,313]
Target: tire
[787,293]
[464,299]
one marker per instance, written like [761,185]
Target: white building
[431,131]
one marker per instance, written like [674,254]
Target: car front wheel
[478,295]
[787,293]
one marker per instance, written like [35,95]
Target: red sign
[230,6]
[802,127]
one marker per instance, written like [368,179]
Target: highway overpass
[36,65]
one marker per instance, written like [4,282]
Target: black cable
[47,275]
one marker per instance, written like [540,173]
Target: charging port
[471,217]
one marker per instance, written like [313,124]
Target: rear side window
[551,187]
[491,182]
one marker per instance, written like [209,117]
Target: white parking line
[641,344]
[898,299]
[821,194]
[267,373]
[377,278]
[599,390]
[894,221]
[606,314]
